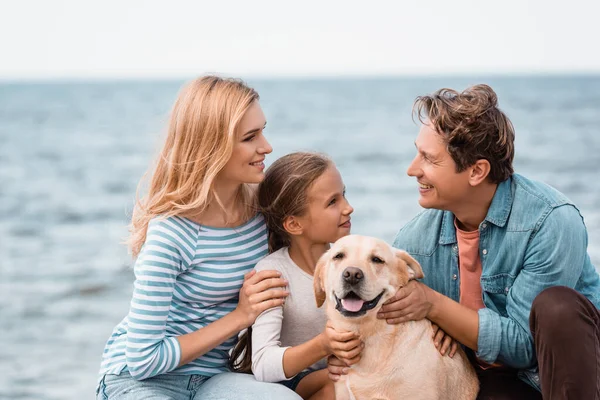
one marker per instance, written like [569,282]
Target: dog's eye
[377,260]
[338,256]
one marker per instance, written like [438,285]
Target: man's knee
[554,308]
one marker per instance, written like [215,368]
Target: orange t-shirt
[469,266]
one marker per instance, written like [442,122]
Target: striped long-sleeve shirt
[186,276]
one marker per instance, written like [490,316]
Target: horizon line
[300,77]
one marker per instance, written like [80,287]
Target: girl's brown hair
[282,193]
[199,142]
[472,126]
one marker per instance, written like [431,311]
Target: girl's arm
[273,363]
[345,345]
[267,353]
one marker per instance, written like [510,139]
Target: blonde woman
[196,238]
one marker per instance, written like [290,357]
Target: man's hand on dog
[346,346]
[443,342]
[410,303]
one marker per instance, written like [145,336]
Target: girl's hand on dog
[412,302]
[443,342]
[346,346]
[336,368]
[260,291]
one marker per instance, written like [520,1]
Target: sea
[72,154]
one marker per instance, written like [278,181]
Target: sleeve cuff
[490,333]
[269,367]
[175,347]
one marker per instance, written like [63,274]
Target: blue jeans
[224,386]
[293,382]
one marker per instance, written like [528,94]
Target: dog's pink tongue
[352,305]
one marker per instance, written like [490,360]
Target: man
[507,272]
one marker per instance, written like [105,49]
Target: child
[303,200]
[197,238]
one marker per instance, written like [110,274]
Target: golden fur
[398,361]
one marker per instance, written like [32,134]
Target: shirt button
[484,226]
[484,252]
[454,277]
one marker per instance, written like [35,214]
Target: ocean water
[71,155]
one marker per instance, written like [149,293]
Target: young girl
[303,200]
[197,238]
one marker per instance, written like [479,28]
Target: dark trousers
[566,332]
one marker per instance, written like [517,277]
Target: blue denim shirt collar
[497,213]
[448,233]
[501,204]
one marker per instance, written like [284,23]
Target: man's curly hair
[472,126]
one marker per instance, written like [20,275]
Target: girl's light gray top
[292,324]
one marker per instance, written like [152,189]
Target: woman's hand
[412,302]
[443,342]
[260,291]
[346,346]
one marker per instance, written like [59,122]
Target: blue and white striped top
[186,276]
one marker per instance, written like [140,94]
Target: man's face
[440,186]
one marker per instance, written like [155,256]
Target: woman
[196,237]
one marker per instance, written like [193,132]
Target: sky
[166,39]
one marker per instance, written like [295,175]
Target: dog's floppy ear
[414,268]
[319,279]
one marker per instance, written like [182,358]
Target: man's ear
[413,267]
[319,279]
[479,172]
[293,225]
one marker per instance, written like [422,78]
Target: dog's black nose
[353,275]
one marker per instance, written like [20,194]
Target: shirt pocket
[495,290]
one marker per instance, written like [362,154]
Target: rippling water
[71,155]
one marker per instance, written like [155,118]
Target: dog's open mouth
[353,306]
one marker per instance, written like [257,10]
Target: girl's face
[246,164]
[328,216]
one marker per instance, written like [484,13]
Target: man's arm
[417,301]
[554,257]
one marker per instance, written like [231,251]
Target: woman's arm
[256,296]
[149,351]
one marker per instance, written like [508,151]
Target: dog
[355,277]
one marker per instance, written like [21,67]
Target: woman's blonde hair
[200,140]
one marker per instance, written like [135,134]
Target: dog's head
[359,273]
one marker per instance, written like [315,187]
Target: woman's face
[246,164]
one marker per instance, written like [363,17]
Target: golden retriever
[355,277]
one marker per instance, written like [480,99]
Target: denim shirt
[532,238]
